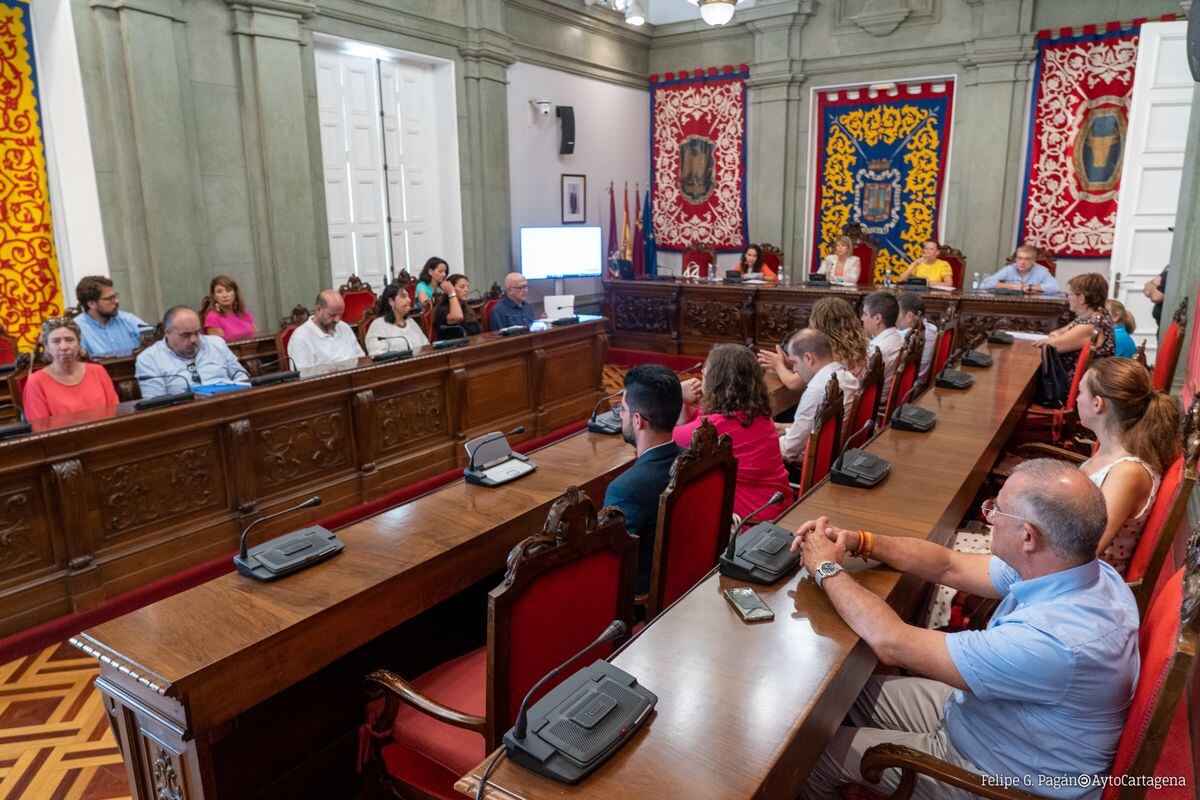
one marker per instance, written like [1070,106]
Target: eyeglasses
[988,507]
[193,372]
[617,408]
[112,298]
[520,287]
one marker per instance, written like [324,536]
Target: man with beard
[324,338]
[184,357]
[106,329]
[652,402]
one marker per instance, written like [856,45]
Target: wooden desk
[689,317]
[746,710]
[98,504]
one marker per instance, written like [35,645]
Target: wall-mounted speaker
[1193,43]
[566,115]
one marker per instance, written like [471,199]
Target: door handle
[1117,286]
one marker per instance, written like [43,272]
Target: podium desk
[744,711]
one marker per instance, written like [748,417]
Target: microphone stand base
[761,555]
[289,553]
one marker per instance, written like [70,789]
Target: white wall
[612,131]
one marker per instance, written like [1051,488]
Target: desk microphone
[492,462]
[973,358]
[608,423]
[582,721]
[761,554]
[288,553]
[951,378]
[164,400]
[446,344]
[393,355]
[278,377]
[15,429]
[686,370]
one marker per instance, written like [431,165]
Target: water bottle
[712,272]
[785,277]
[975,283]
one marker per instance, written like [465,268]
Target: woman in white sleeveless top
[1138,437]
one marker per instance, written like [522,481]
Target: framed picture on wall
[574,199]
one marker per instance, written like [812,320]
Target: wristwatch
[826,569]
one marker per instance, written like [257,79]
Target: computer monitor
[566,252]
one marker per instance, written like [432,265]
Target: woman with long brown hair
[222,312]
[1138,433]
[732,395]
[835,318]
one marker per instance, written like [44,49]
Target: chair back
[1081,367]
[908,364]
[947,332]
[486,314]
[561,589]
[358,298]
[1159,535]
[771,258]
[8,348]
[826,437]
[1168,351]
[697,259]
[695,516]
[287,326]
[364,325]
[864,248]
[25,366]
[957,261]
[426,321]
[1043,257]
[867,403]
[1167,641]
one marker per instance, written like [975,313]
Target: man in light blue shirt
[185,358]
[1024,274]
[107,331]
[1039,699]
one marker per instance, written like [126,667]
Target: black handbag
[1054,380]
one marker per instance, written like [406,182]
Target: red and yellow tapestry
[698,158]
[1080,109]
[881,162]
[29,285]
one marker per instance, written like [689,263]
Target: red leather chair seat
[1168,354]
[357,304]
[432,755]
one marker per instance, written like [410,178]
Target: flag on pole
[650,248]
[612,223]
[626,247]
[639,247]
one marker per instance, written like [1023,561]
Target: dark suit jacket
[636,493]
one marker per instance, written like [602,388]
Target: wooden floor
[55,740]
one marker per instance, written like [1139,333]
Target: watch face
[827,568]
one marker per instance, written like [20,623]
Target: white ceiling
[661,12]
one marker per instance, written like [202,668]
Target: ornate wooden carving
[777,320]
[599,354]
[458,402]
[166,781]
[366,428]
[301,448]
[20,544]
[152,489]
[354,284]
[747,315]
[713,318]
[239,459]
[641,314]
[298,316]
[673,314]
[539,380]
[404,417]
[1181,314]
[70,488]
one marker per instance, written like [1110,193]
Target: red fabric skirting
[632,358]
[56,630]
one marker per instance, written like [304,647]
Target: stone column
[274,62]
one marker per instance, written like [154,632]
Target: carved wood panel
[302,448]
[642,313]
[777,320]
[24,538]
[408,416]
[137,493]
[712,318]
[976,324]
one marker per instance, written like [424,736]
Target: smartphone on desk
[748,604]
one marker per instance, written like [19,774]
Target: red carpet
[56,630]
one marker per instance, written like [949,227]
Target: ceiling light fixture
[716,12]
[635,12]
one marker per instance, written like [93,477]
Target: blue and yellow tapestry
[881,162]
[29,285]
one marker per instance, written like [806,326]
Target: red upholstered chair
[947,333]
[772,261]
[1167,642]
[1054,425]
[25,365]
[1163,371]
[695,515]
[364,325]
[8,349]
[697,259]
[867,403]
[358,298]
[824,441]
[426,320]
[287,326]
[957,261]
[864,248]
[561,590]
[908,364]
[486,313]
[1045,258]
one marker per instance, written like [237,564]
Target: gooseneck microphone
[309,503]
[615,630]
[278,377]
[772,500]
[609,423]
[393,355]
[686,370]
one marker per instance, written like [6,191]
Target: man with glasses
[106,329]
[1024,274]
[186,358]
[513,308]
[648,411]
[1038,697]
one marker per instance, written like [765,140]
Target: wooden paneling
[102,502]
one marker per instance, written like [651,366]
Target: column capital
[272,19]
[170,9]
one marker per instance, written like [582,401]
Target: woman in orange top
[68,384]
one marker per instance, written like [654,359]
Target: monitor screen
[560,252]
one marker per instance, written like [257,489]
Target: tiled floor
[55,740]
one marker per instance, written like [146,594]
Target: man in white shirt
[812,359]
[879,315]
[912,308]
[324,338]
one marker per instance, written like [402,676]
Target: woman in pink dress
[68,384]
[222,313]
[732,395]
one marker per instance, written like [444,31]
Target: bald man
[324,338]
[513,308]
[1039,698]
[185,358]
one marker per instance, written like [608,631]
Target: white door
[1152,169]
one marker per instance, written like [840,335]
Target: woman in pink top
[733,396]
[222,312]
[67,385]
